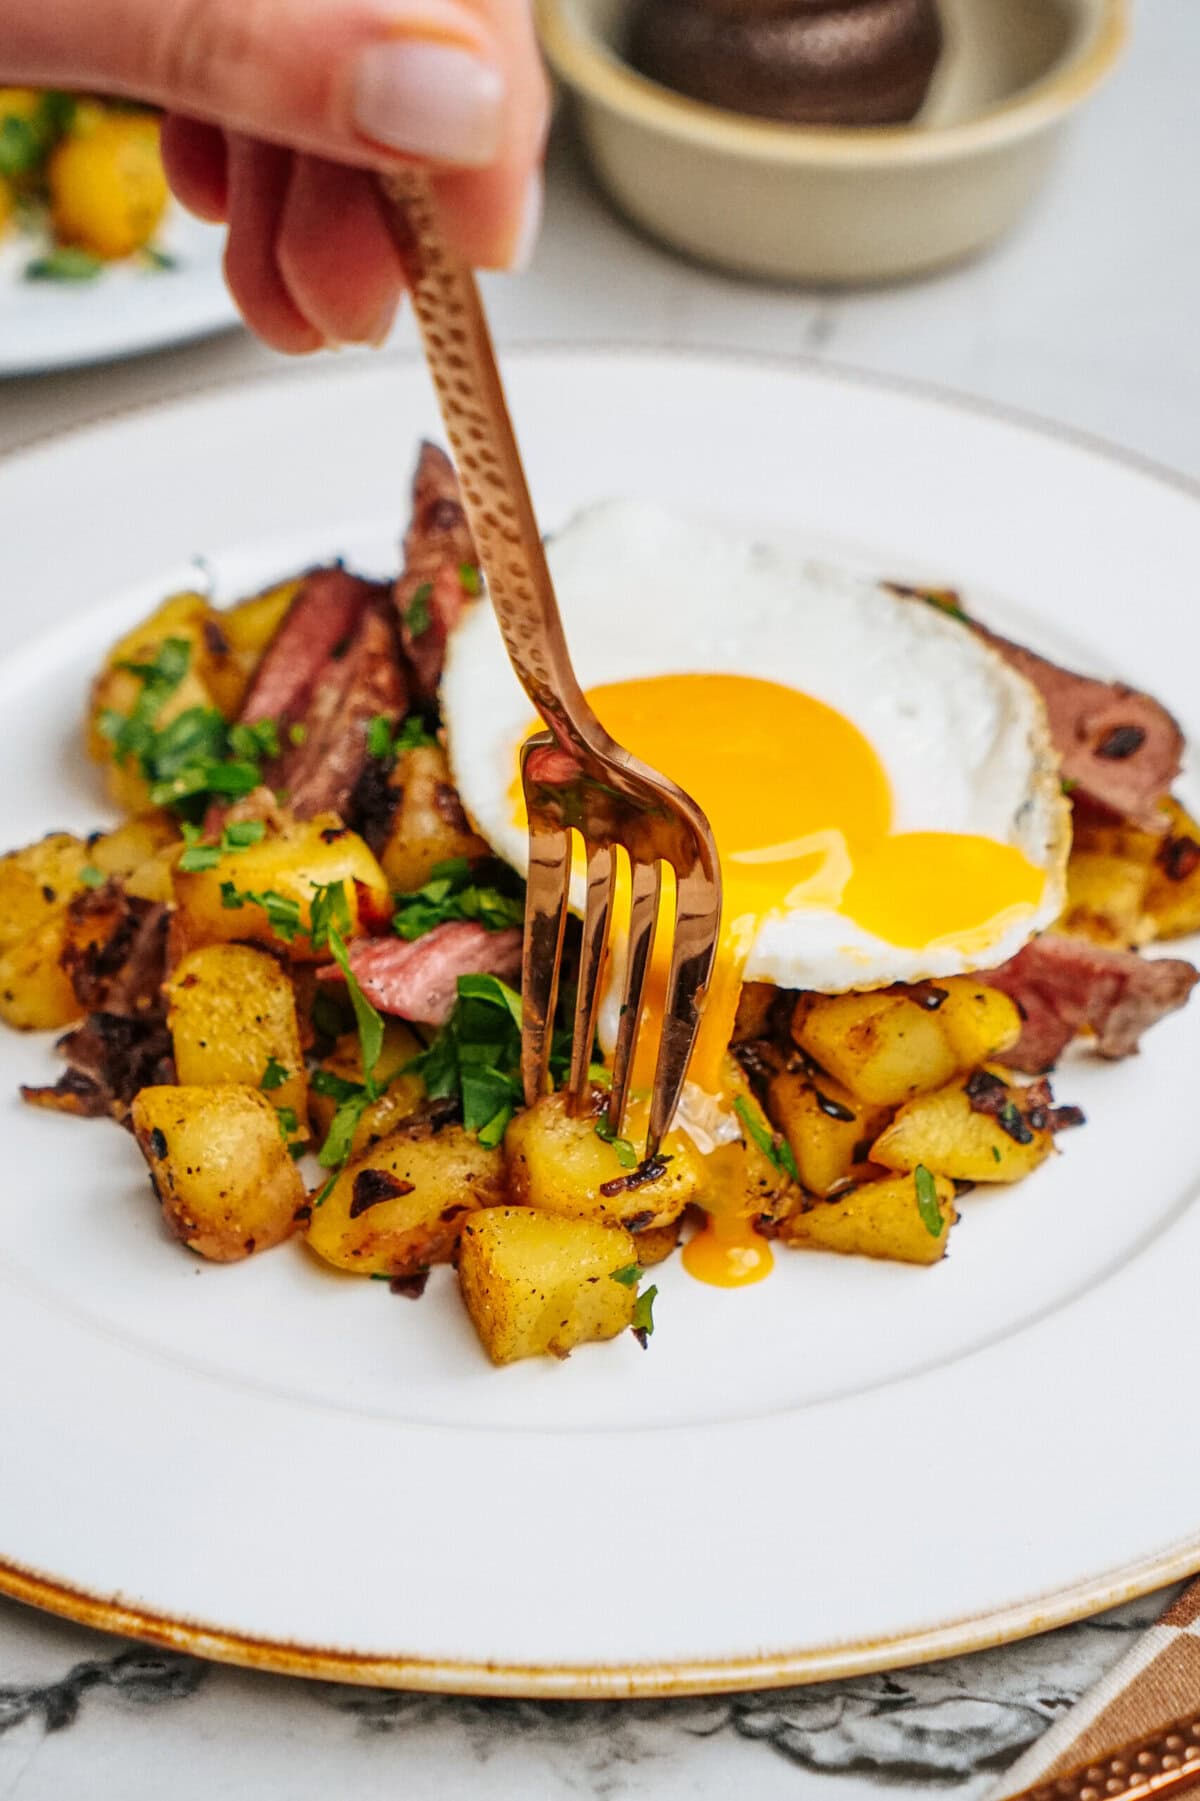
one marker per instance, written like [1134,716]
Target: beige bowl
[840,204]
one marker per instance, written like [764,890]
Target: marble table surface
[1086,315]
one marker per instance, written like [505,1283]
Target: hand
[280,111]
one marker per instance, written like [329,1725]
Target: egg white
[962,737]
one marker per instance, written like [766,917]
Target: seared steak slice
[116,951]
[1119,748]
[438,547]
[1064,986]
[111,1057]
[320,621]
[320,774]
[418,980]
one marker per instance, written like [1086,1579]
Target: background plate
[126,311]
[852,1465]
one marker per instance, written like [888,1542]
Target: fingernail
[430,99]
[381,331]
[525,242]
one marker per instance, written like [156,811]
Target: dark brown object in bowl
[803,62]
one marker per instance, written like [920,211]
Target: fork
[576,778]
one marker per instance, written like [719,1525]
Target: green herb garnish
[629,1275]
[642,1323]
[417,615]
[237,836]
[452,893]
[927,1201]
[66,263]
[771,1144]
[413,735]
[91,877]
[379,737]
[274,1075]
[469,578]
[627,1157]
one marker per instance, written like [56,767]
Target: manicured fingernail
[381,331]
[430,99]
[521,254]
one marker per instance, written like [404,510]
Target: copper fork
[576,778]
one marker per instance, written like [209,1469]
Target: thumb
[359,81]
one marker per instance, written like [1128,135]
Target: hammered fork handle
[462,363]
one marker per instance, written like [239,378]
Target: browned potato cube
[226,1180]
[1173,894]
[35,991]
[37,882]
[232,1018]
[292,863]
[402,1094]
[429,826]
[561,1164]
[883,1046]
[657,1243]
[825,1126]
[885,1219]
[1105,900]
[979,1022]
[401,1204]
[944,1132]
[538,1282]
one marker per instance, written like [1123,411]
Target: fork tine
[601,869]
[541,956]
[643,917]
[697,921]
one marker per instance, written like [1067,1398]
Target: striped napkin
[1153,1689]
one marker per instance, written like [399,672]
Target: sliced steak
[320,774]
[429,594]
[419,980]
[1119,749]
[320,621]
[1064,986]
[115,953]
[111,1056]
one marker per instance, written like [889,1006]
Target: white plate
[126,311]
[852,1465]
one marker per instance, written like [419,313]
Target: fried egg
[881,785]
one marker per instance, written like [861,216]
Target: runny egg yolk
[801,810]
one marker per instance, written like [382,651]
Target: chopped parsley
[771,1144]
[297,732]
[91,877]
[283,913]
[470,579]
[418,614]
[476,1057]
[627,1157]
[289,1125]
[453,893]
[927,1201]
[64,263]
[274,1075]
[642,1323]
[197,756]
[413,735]
[379,737]
[629,1275]
[240,834]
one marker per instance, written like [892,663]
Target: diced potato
[883,1046]
[1105,899]
[246,630]
[37,882]
[400,1205]
[35,992]
[226,1180]
[117,689]
[1173,894]
[401,1097]
[232,1017]
[560,1164]
[132,845]
[108,191]
[979,1022]
[294,862]
[825,1126]
[740,1178]
[754,1011]
[876,1219]
[942,1131]
[539,1282]
[429,826]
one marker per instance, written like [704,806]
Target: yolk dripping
[801,810]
